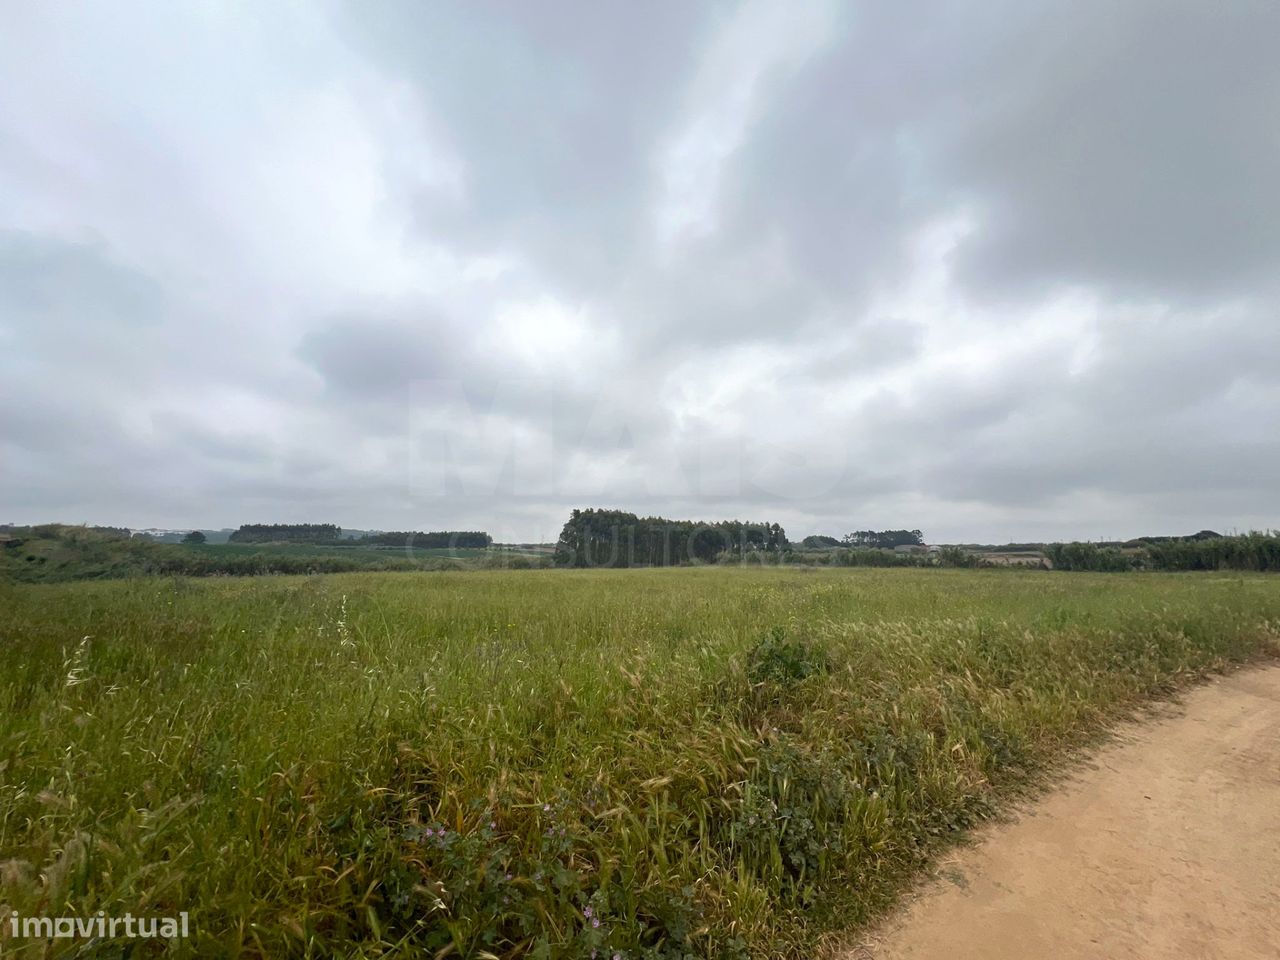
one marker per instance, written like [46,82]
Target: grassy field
[652,763]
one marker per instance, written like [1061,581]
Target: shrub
[958,557]
[1087,556]
[779,660]
[1252,551]
[787,823]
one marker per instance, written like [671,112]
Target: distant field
[709,762]
[356,549]
[58,553]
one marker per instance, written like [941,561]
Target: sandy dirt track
[1165,845]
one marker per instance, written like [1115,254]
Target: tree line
[615,538]
[884,539]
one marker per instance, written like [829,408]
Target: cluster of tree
[286,533]
[884,539]
[819,542]
[614,538]
[435,540]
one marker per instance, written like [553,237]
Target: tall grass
[653,763]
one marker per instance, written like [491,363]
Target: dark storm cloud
[994,271]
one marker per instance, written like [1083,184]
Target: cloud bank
[1004,273]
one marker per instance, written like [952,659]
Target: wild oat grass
[667,763]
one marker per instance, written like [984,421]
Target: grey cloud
[1132,148]
[868,329]
[874,343]
[554,110]
[378,357]
[71,310]
[41,278]
[1157,413]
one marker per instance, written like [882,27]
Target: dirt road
[1166,845]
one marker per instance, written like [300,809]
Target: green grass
[715,762]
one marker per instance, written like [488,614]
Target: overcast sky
[998,270]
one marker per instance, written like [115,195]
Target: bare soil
[1165,845]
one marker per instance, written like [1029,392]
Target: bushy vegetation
[649,763]
[1202,551]
[859,557]
[779,659]
[1252,551]
[958,557]
[1087,556]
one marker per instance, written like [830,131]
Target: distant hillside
[57,552]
